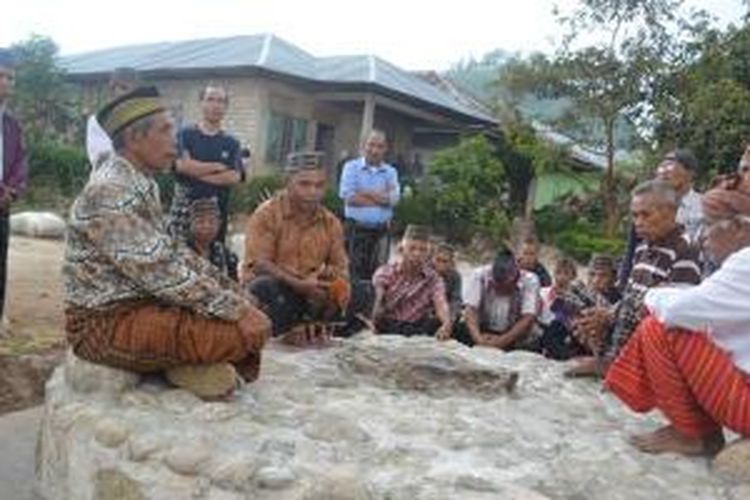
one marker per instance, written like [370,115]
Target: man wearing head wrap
[410,295]
[135,298]
[98,143]
[13,169]
[295,261]
[501,305]
[690,359]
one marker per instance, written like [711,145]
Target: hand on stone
[444,332]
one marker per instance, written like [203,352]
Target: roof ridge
[372,71]
[263,57]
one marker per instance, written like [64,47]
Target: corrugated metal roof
[273,54]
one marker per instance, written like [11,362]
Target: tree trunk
[609,193]
[528,214]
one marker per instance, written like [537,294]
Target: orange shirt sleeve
[260,238]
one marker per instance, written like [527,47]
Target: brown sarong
[146,337]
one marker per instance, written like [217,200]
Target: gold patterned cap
[310,160]
[128,108]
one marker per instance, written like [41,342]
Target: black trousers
[283,306]
[461,334]
[559,343]
[367,248]
[426,327]
[4,236]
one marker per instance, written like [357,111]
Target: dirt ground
[34,296]
[33,342]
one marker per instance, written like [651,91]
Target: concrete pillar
[368,117]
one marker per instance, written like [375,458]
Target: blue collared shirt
[358,176]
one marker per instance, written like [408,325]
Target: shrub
[246,197]
[466,191]
[579,236]
[582,246]
[56,174]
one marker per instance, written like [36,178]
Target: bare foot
[585,366]
[668,440]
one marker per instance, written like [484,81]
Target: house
[284,99]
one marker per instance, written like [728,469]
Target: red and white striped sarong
[685,375]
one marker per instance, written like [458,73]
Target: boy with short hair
[444,262]
[527,253]
[409,295]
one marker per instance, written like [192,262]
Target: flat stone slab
[368,418]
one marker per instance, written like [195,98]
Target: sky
[415,35]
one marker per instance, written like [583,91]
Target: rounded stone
[111,433]
[142,447]
[216,412]
[179,401]
[338,485]
[187,459]
[275,478]
[235,473]
[89,378]
[140,399]
[333,429]
[109,484]
[734,461]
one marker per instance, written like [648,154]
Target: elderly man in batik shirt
[136,299]
[664,257]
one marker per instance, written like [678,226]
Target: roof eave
[252,70]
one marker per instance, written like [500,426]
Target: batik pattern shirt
[118,251]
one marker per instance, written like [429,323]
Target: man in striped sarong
[690,359]
[663,257]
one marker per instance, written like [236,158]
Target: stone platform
[369,418]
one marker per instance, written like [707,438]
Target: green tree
[608,80]
[42,98]
[705,102]
[469,189]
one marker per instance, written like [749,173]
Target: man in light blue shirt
[370,190]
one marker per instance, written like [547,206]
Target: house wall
[252,99]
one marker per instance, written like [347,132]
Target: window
[285,135]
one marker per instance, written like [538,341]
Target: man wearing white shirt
[98,143]
[691,358]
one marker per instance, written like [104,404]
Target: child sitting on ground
[444,262]
[561,303]
[527,252]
